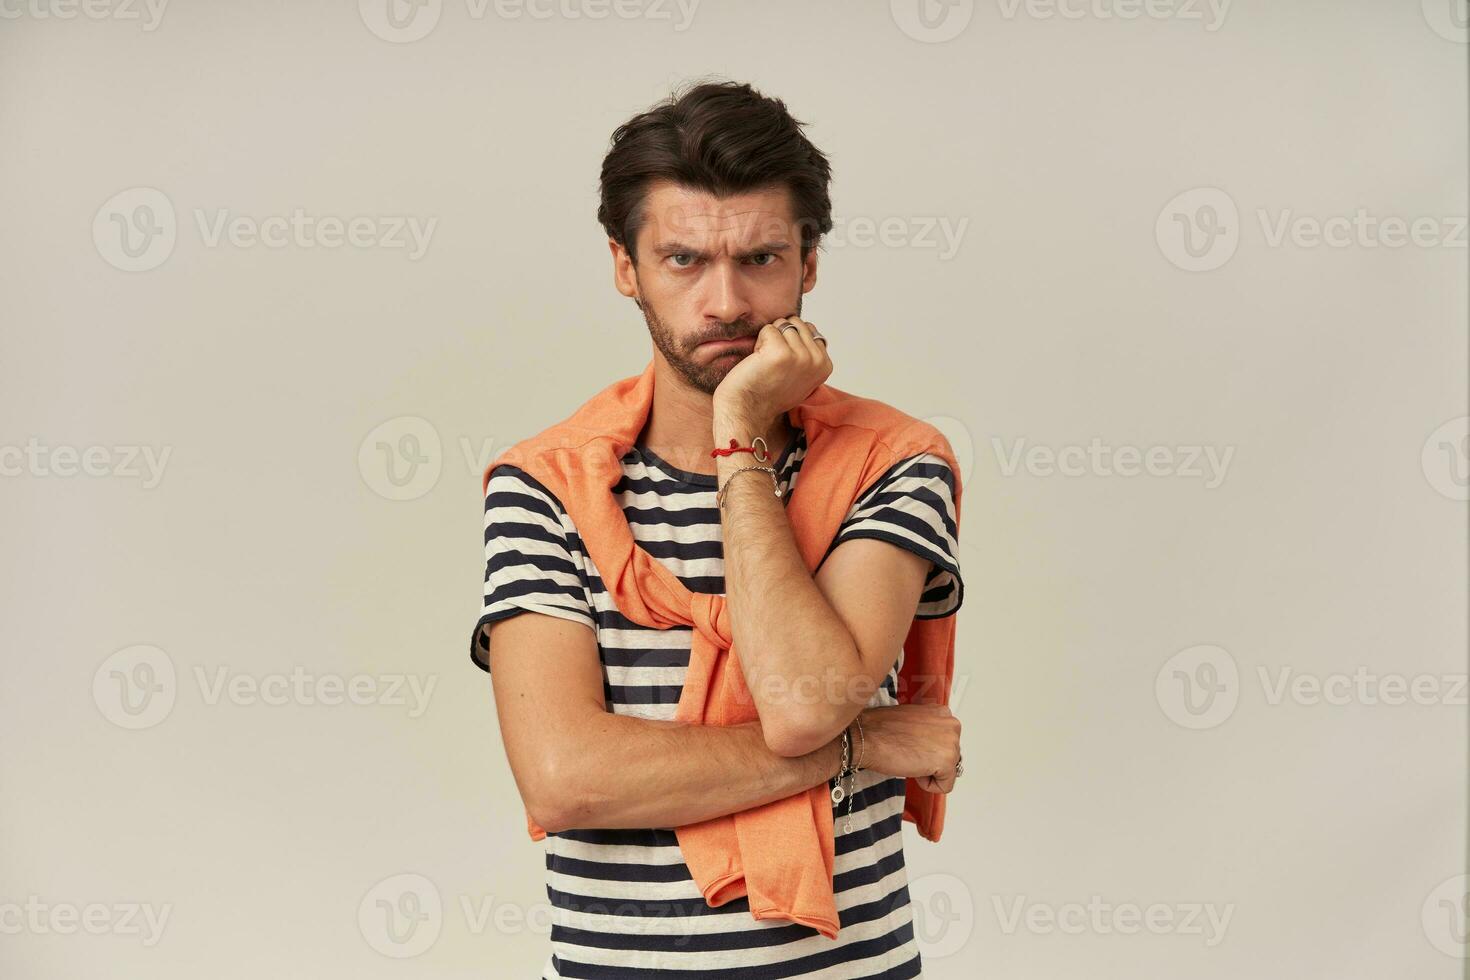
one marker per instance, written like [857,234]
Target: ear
[624,278]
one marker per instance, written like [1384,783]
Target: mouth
[737,345]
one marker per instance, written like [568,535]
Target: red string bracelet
[761,453]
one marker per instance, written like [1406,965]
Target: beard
[681,355]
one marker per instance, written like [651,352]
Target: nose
[724,297]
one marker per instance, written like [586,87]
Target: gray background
[327,409]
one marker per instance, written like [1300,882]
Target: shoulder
[509,484]
[923,482]
[903,435]
[517,505]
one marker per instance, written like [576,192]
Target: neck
[680,426]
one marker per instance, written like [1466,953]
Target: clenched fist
[781,372]
[916,740]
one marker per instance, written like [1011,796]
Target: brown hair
[721,137]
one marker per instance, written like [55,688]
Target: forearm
[800,662]
[624,772]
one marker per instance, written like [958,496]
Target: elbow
[791,740]
[551,793]
[548,814]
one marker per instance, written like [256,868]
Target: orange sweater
[780,854]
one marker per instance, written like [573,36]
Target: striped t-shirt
[623,902]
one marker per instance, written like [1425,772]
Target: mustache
[732,333]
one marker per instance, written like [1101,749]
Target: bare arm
[813,650]
[578,765]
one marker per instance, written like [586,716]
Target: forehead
[674,212]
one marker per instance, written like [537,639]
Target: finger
[807,332]
[818,349]
[818,346]
[824,356]
[769,334]
[792,337]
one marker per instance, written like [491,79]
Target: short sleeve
[912,506]
[533,558]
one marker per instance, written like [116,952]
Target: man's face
[713,269]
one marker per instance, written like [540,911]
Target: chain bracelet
[837,790]
[775,484]
[848,770]
[851,792]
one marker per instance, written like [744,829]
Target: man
[714,202]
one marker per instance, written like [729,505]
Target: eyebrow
[676,248]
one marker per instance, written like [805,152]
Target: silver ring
[959,765]
[788,326]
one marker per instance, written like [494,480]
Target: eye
[677,255]
[769,255]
